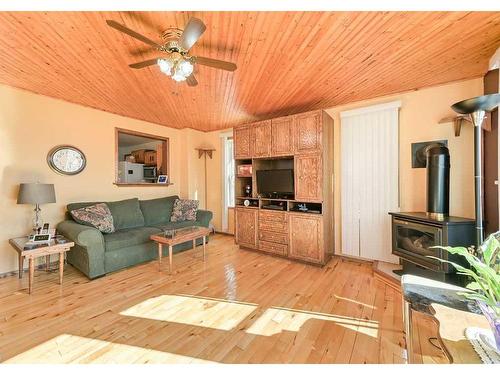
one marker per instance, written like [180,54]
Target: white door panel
[369,152]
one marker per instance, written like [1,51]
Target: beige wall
[30,125]
[419,115]
[196,172]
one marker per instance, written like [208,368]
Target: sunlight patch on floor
[354,301]
[79,350]
[192,310]
[276,320]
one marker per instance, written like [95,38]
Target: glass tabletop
[23,243]
[173,233]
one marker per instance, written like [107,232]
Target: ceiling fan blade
[192,32]
[219,64]
[191,80]
[141,51]
[132,33]
[143,64]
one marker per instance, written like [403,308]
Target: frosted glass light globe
[178,77]
[185,68]
[166,66]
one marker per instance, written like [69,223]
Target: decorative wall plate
[67,160]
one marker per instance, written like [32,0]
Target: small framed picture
[245,170]
[163,179]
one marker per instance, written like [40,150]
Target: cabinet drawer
[273,226]
[270,215]
[275,237]
[274,248]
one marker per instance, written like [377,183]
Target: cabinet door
[308,132]
[282,130]
[242,143]
[309,177]
[261,139]
[150,158]
[138,156]
[306,237]
[246,227]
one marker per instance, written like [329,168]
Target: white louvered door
[370,180]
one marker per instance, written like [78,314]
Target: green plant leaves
[484,272]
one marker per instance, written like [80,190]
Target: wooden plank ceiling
[288,62]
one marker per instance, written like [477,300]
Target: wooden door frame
[145,135]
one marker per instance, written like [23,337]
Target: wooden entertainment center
[302,143]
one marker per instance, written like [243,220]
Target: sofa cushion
[126,213]
[97,216]
[158,210]
[78,205]
[184,210]
[128,237]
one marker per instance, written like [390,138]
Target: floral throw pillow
[97,216]
[184,210]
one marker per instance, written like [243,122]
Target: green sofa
[96,253]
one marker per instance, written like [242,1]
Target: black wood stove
[415,233]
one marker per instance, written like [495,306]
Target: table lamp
[37,194]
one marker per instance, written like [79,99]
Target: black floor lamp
[476,108]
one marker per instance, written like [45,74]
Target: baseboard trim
[52,266]
[225,233]
[353,259]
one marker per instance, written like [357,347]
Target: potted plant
[484,276]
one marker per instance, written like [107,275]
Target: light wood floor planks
[237,307]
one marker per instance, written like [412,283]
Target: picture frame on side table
[163,179]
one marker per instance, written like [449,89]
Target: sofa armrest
[88,253]
[204,217]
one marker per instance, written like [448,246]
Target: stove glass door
[417,239]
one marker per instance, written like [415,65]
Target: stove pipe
[438,181]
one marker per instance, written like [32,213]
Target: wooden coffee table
[25,250]
[179,236]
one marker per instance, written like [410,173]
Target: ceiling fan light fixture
[185,68]
[166,66]
[176,44]
[178,77]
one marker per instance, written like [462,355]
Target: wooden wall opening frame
[165,157]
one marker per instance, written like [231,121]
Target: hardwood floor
[237,307]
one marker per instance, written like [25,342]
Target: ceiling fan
[177,63]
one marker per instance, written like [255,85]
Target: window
[228,177]
[141,159]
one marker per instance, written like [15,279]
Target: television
[275,181]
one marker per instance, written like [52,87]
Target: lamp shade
[479,103]
[36,194]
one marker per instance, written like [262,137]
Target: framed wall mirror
[141,159]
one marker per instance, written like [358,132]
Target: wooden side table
[452,312]
[452,324]
[60,245]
